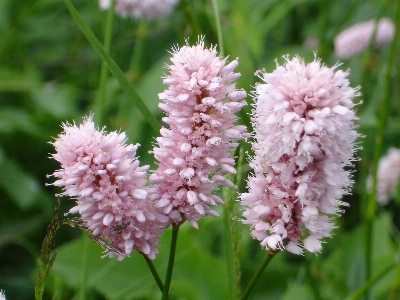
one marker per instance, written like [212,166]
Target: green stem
[185,7]
[383,113]
[219,28]
[113,67]
[154,272]
[260,270]
[230,247]
[139,49]
[165,294]
[232,229]
[357,294]
[396,285]
[104,70]
[85,257]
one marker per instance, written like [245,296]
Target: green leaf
[21,186]
[13,119]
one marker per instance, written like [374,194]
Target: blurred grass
[49,74]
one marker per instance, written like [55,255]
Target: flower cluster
[140,9]
[388,176]
[304,135]
[193,153]
[103,175]
[356,38]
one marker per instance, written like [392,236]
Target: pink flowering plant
[207,150]
[105,178]
[193,153]
[304,138]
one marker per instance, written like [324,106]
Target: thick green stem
[104,70]
[219,27]
[168,277]
[260,270]
[154,273]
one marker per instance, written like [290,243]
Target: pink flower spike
[193,152]
[104,177]
[304,137]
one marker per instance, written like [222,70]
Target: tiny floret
[140,9]
[193,150]
[303,138]
[102,174]
[357,38]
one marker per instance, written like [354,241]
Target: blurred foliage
[49,74]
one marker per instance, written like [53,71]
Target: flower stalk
[168,277]
[271,254]
[154,273]
[104,70]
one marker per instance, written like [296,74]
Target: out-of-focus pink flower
[388,176]
[2,295]
[193,153]
[140,9]
[102,174]
[356,38]
[303,138]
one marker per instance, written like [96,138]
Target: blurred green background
[49,74]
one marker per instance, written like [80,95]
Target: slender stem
[165,294]
[323,19]
[232,229]
[219,28]
[154,272]
[383,113]
[357,294]
[185,7]
[104,70]
[396,285]
[139,49]
[230,247]
[85,257]
[260,270]
[113,67]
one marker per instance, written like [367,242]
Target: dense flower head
[388,176]
[303,139]
[193,152]
[140,9]
[357,38]
[102,174]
